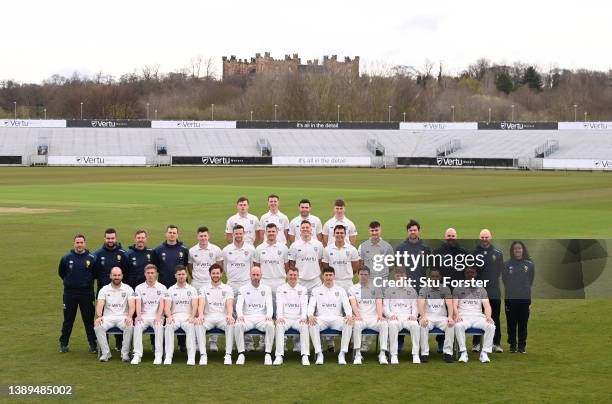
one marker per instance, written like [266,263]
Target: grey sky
[40,38]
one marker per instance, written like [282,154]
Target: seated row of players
[329,307]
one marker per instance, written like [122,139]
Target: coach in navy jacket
[168,255]
[108,256]
[138,256]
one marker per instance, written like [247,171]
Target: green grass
[569,342]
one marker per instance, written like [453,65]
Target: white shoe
[320,359]
[394,360]
[228,359]
[240,360]
[268,359]
[498,349]
[157,360]
[168,361]
[416,359]
[382,358]
[464,357]
[135,360]
[356,361]
[203,360]
[305,360]
[278,360]
[476,348]
[105,358]
[484,358]
[213,346]
[191,362]
[341,359]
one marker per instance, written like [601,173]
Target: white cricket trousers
[296,325]
[180,321]
[475,322]
[109,322]
[395,326]
[372,323]
[258,322]
[159,336]
[335,323]
[449,335]
[214,321]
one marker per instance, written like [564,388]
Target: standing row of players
[307,253]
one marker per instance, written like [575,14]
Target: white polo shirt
[328,229]
[366,304]
[116,299]
[307,255]
[435,304]
[329,302]
[296,224]
[291,302]
[150,296]
[340,258]
[400,302]
[181,298]
[216,298]
[272,259]
[238,262]
[249,222]
[280,220]
[469,300]
[202,259]
[254,301]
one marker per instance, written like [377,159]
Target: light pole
[489,114]
[15,109]
[390,113]
[155,115]
[338,119]
[147,111]
[512,113]
[45,112]
[81,110]
[251,115]
[575,112]
[453,112]
[275,107]
[212,112]
[404,116]
[585,116]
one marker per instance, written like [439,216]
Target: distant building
[242,70]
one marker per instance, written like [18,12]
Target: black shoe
[182,348]
[118,347]
[93,348]
[440,348]
[521,349]
[330,349]
[64,348]
[512,348]
[424,358]
[448,358]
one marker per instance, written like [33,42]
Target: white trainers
[135,360]
[341,358]
[168,361]
[157,360]
[484,358]
[203,360]
[320,359]
[305,360]
[382,358]
[394,360]
[476,348]
[498,349]
[416,359]
[357,360]
[105,358]
[213,346]
[278,360]
[240,360]
[227,360]
[464,357]
[268,359]
[190,362]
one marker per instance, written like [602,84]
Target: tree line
[482,91]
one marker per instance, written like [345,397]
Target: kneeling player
[149,297]
[291,312]
[215,310]
[436,310]
[367,308]
[325,308]
[254,310]
[180,307]
[401,309]
[115,308]
[468,303]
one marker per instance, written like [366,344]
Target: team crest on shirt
[102,259]
[263,253]
[163,257]
[70,264]
[299,293]
[263,293]
[510,271]
[280,253]
[223,294]
[525,269]
[246,253]
[158,292]
[284,291]
[494,257]
[337,294]
[248,293]
[188,293]
[251,221]
[181,254]
[87,263]
[316,249]
[149,257]
[123,294]
[118,257]
[210,255]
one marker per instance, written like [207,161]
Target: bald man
[450,246]
[491,271]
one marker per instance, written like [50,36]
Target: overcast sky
[41,38]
